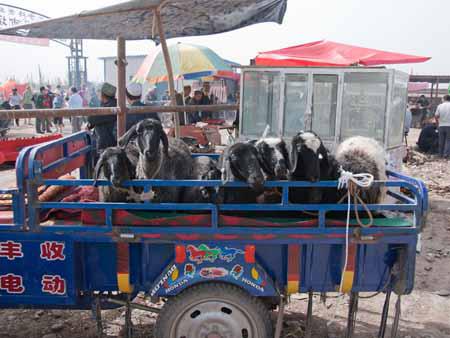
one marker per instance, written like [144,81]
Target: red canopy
[329,53]
[7,87]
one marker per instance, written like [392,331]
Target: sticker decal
[163,280]
[203,253]
[229,254]
[189,270]
[213,272]
[237,271]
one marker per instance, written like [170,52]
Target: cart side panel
[36,271]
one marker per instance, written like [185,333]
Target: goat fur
[364,155]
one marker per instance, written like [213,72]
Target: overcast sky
[409,26]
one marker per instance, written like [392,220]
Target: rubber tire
[253,306]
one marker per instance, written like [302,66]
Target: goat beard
[149,170]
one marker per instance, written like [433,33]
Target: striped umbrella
[188,62]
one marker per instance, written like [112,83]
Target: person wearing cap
[15,101]
[134,98]
[105,126]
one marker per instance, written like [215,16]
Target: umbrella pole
[121,87]
[168,63]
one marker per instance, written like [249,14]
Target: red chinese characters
[53,251]
[12,284]
[54,285]
[11,250]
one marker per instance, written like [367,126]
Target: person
[187,90]
[94,102]
[15,101]
[28,100]
[58,103]
[151,97]
[134,98]
[423,105]
[75,102]
[407,123]
[43,101]
[197,100]
[105,125]
[443,118]
[166,96]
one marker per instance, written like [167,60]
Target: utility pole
[77,64]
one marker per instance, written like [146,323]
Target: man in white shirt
[443,118]
[75,102]
[15,101]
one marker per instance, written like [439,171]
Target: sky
[408,26]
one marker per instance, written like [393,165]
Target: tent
[7,87]
[328,54]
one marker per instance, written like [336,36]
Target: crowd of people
[434,137]
[47,98]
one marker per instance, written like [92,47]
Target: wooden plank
[30,113]
[121,87]
[165,50]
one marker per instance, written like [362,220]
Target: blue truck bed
[63,263]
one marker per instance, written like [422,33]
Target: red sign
[12,284]
[53,251]
[11,250]
[54,285]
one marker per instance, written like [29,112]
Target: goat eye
[320,157]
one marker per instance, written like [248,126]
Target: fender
[202,263]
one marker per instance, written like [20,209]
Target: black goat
[241,162]
[159,157]
[312,162]
[205,168]
[115,166]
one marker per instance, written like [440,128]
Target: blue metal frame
[152,248]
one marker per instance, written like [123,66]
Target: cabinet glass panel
[295,104]
[261,101]
[324,105]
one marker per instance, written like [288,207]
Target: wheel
[214,310]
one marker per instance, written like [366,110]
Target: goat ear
[227,175]
[129,135]
[165,142]
[261,151]
[285,154]
[294,157]
[98,167]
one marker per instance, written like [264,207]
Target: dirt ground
[425,313]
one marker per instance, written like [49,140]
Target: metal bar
[352,312]
[384,315]
[121,87]
[308,329]
[280,316]
[135,306]
[31,113]
[168,62]
[398,312]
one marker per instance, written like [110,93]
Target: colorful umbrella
[188,61]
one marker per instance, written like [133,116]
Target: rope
[353,182]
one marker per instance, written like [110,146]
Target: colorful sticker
[213,272]
[229,254]
[163,280]
[237,271]
[203,253]
[189,270]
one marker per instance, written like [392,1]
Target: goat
[115,166]
[241,162]
[159,157]
[364,155]
[204,168]
[311,161]
[274,157]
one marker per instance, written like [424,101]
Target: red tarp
[329,53]
[7,87]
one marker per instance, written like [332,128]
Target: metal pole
[170,79]
[121,87]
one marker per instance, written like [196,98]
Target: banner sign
[11,16]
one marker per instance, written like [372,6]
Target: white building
[110,69]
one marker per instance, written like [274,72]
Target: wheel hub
[214,319]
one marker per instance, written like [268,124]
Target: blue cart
[221,268]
